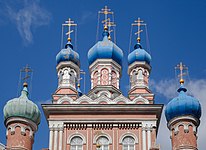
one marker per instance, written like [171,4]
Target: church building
[103,118]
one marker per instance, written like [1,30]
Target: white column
[60,139]
[55,139]
[143,139]
[149,138]
[51,139]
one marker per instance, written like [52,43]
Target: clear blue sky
[30,33]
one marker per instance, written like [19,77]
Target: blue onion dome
[183,105]
[139,54]
[22,107]
[105,49]
[68,54]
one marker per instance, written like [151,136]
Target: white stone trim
[182,118]
[76,134]
[55,139]
[143,138]
[186,127]
[60,139]
[51,134]
[108,94]
[65,99]
[140,99]
[126,135]
[28,122]
[149,140]
[23,130]
[102,134]
[104,62]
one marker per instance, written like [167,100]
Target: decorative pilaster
[144,138]
[55,139]
[51,137]
[149,138]
[56,135]
[60,138]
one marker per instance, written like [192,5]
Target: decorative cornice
[66,64]
[103,62]
[139,64]
[13,127]
[183,118]
[21,120]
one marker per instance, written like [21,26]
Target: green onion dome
[22,107]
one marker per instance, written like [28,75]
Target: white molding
[28,122]
[104,62]
[186,127]
[102,134]
[108,94]
[23,129]
[127,135]
[83,98]
[183,118]
[56,125]
[76,134]
[148,124]
[68,64]
[136,64]
[65,99]
[140,99]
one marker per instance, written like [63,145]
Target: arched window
[140,75]
[76,143]
[102,143]
[128,143]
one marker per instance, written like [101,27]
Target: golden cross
[69,23]
[105,11]
[181,67]
[26,70]
[138,23]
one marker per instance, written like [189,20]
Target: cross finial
[26,70]
[182,68]
[138,23]
[69,23]
[105,11]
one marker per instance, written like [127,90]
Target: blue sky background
[30,33]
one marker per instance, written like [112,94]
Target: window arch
[76,143]
[128,143]
[102,143]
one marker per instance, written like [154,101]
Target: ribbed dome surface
[183,105]
[22,107]
[105,49]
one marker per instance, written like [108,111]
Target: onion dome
[22,107]
[105,49]
[183,105]
[139,54]
[68,54]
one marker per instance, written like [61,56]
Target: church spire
[183,116]
[68,67]
[22,113]
[139,67]
[105,59]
